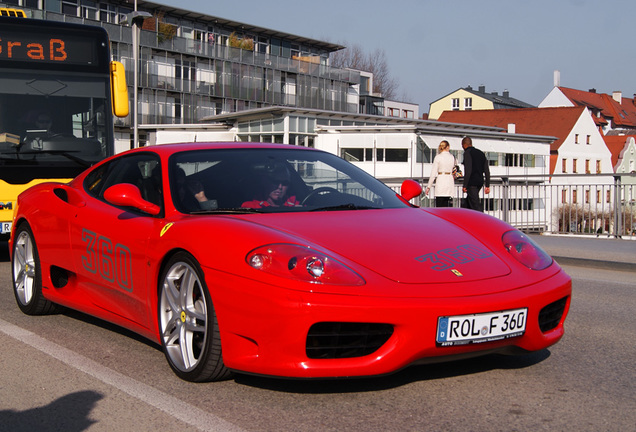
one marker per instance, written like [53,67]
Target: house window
[574,196]
[396,155]
[468,104]
[89,9]
[587,166]
[69,7]
[574,166]
[564,167]
[588,139]
[564,196]
[352,154]
[576,138]
[598,167]
[409,114]
[455,104]
[609,196]
[587,196]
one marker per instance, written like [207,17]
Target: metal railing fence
[584,204]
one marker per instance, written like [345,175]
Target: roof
[243,27]
[557,122]
[623,115]
[500,101]
[616,144]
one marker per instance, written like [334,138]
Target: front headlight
[526,251]
[302,263]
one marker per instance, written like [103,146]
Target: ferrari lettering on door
[113,263]
[445,259]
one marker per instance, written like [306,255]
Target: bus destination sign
[61,49]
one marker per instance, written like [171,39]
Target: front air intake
[550,316]
[334,340]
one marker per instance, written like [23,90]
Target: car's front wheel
[187,322]
[27,274]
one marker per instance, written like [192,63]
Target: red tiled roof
[622,114]
[616,144]
[556,122]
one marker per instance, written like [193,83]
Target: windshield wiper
[348,206]
[240,210]
[81,162]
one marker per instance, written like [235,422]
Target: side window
[142,170]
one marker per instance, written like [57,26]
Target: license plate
[5,227]
[480,328]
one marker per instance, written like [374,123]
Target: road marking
[172,406]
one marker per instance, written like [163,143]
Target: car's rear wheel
[27,274]
[187,322]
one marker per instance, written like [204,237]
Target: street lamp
[134,19]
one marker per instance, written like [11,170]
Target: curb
[598,264]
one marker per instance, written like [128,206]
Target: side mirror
[410,189]
[119,89]
[128,195]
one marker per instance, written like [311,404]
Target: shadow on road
[406,376]
[69,413]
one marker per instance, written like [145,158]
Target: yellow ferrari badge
[166,228]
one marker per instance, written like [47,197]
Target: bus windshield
[57,103]
[55,119]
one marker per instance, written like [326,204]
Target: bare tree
[354,57]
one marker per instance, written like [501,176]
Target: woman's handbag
[457,172]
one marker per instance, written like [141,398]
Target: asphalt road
[69,372]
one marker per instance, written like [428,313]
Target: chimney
[634,100]
[482,89]
[506,94]
[557,78]
[512,127]
[592,90]
[617,96]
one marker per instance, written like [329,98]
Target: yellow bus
[59,93]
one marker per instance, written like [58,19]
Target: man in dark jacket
[475,169]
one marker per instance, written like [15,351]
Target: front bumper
[264,329]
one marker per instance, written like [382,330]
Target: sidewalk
[595,252]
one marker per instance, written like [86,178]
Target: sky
[434,47]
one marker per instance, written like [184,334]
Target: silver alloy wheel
[24,268]
[183,316]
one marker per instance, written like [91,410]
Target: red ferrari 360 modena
[282,261]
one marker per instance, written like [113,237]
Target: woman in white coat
[443,171]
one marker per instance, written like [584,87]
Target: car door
[110,242]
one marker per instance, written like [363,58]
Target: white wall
[555,98]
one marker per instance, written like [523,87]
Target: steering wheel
[324,190]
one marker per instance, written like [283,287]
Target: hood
[407,245]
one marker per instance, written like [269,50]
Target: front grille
[333,340]
[551,315]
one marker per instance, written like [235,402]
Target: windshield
[53,120]
[273,180]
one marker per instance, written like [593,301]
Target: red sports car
[280,260]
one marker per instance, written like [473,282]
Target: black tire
[187,322]
[27,274]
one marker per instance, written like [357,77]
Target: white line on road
[170,405]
